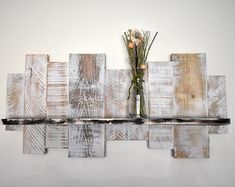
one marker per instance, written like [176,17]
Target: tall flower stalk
[138,46]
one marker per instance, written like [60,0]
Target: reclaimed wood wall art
[79,105]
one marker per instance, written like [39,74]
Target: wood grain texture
[57,136]
[35,86]
[34,139]
[191,142]
[217,102]
[161,96]
[87,85]
[57,92]
[15,99]
[116,102]
[161,137]
[190,85]
[126,131]
[87,140]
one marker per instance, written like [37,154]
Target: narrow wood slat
[57,136]
[217,102]
[35,86]
[190,85]
[126,131]
[87,140]
[34,141]
[35,103]
[15,99]
[87,85]
[117,86]
[161,137]
[57,92]
[191,142]
[161,89]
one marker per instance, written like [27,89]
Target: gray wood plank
[35,86]
[35,103]
[57,91]
[161,137]
[190,85]
[217,102]
[87,140]
[57,136]
[126,131]
[34,139]
[116,94]
[15,99]
[191,142]
[87,85]
[161,89]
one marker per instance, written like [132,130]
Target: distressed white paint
[87,85]
[87,140]
[161,136]
[217,102]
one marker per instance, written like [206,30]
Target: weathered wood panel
[161,89]
[87,140]
[57,136]
[86,85]
[217,103]
[35,86]
[190,85]
[117,86]
[161,137]
[15,99]
[57,92]
[34,140]
[126,131]
[191,142]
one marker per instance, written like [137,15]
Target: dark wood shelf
[160,121]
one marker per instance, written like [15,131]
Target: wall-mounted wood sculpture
[80,105]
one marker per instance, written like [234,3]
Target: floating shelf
[156,121]
[179,92]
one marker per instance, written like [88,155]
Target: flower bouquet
[138,46]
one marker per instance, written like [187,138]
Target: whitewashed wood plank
[35,86]
[161,137]
[191,142]
[15,99]
[217,102]
[126,131]
[57,136]
[34,140]
[57,92]
[190,85]
[116,93]
[87,85]
[87,140]
[161,89]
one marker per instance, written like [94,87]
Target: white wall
[76,26]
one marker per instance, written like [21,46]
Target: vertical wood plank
[217,103]
[35,86]
[87,140]
[191,85]
[161,89]
[15,99]
[161,137]
[57,136]
[57,92]
[191,142]
[35,103]
[127,131]
[116,93]
[86,85]
[34,141]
